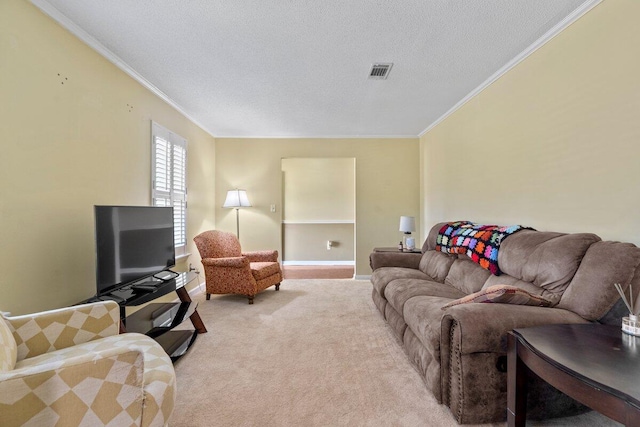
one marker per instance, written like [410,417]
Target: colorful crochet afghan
[478,242]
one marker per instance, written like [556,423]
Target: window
[169,179]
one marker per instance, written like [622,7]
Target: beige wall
[554,143]
[319,189]
[308,242]
[387,186]
[67,147]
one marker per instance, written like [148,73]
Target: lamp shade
[236,199]
[407,224]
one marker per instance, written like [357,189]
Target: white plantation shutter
[169,179]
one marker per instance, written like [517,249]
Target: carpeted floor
[317,271]
[316,353]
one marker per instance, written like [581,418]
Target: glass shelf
[176,343]
[157,318]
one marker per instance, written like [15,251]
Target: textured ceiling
[256,68]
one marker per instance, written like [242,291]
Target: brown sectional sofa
[461,351]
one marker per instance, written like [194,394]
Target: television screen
[132,242]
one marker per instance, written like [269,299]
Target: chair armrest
[229,275]
[233,262]
[40,333]
[394,259]
[480,327]
[262,256]
[44,393]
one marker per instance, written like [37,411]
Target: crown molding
[548,36]
[85,37]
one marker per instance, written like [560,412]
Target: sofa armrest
[261,256]
[233,262]
[46,393]
[476,328]
[51,330]
[394,259]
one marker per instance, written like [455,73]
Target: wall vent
[380,71]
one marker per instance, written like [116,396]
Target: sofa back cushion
[8,347]
[430,243]
[436,264]
[591,293]
[466,275]
[546,260]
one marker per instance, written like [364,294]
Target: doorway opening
[318,227]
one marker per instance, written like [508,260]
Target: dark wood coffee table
[597,365]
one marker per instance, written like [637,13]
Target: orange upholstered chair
[228,270]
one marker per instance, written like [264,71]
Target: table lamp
[407,226]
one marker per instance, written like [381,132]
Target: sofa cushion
[546,260]
[436,264]
[379,301]
[396,321]
[399,291]
[466,275]
[422,315]
[591,293]
[502,294]
[529,287]
[382,276]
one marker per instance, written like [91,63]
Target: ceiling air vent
[380,71]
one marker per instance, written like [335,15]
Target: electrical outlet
[273,208]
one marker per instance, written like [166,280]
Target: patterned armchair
[228,270]
[69,367]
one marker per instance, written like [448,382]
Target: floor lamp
[237,199]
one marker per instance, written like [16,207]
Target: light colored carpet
[316,353]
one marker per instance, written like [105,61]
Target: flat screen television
[132,243]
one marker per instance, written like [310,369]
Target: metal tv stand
[158,319]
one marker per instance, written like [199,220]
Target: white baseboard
[318,262]
[196,290]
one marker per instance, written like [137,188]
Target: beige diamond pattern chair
[69,367]
[228,270]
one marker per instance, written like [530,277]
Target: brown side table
[597,365]
[392,257]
